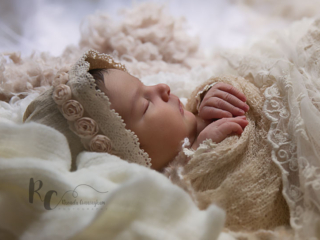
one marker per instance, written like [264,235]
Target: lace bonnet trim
[88,112]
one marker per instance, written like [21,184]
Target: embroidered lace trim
[97,106]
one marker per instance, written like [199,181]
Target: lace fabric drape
[292,103]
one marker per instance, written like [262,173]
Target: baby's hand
[222,101]
[220,129]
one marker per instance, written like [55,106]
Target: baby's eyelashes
[146,106]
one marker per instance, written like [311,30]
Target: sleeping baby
[224,156]
[160,120]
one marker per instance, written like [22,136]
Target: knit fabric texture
[238,173]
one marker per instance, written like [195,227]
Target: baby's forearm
[218,130]
[201,125]
[201,137]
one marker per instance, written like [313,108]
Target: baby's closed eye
[146,106]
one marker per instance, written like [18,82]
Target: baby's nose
[164,91]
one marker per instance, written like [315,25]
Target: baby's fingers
[217,131]
[215,107]
[208,112]
[234,100]
[232,90]
[241,120]
[228,128]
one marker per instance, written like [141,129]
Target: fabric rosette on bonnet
[81,111]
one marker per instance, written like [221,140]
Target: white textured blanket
[109,198]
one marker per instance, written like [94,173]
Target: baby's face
[155,115]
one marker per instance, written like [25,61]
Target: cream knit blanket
[112,199]
[237,174]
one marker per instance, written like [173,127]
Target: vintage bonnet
[82,112]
